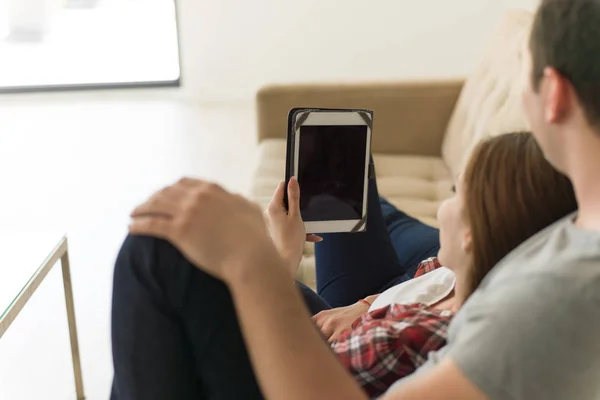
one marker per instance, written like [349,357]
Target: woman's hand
[286,227]
[333,322]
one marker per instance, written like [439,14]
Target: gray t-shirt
[532,329]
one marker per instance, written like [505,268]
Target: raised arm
[290,357]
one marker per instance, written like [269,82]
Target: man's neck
[588,199]
[585,176]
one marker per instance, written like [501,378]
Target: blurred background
[104,101]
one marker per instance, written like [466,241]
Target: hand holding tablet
[328,151]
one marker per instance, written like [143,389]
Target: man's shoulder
[557,250]
[558,268]
[534,285]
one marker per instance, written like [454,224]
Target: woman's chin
[441,258]
[446,263]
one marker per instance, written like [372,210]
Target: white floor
[82,165]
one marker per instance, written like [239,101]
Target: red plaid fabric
[427,266]
[390,343]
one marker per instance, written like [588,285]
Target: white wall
[232,47]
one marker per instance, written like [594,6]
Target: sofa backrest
[490,101]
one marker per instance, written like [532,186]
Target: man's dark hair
[566,36]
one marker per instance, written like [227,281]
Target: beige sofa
[423,131]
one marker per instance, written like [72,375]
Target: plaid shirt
[390,343]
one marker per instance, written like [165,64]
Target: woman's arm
[287,231]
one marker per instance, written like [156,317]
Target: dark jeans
[175,333]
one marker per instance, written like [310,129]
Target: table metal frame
[60,252]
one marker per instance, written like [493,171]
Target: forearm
[290,358]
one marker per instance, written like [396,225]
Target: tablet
[329,153]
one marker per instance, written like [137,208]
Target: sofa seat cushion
[414,184]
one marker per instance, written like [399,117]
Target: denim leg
[413,240]
[313,301]
[175,333]
[351,266]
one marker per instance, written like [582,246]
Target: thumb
[293,197]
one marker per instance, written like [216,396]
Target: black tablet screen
[331,172]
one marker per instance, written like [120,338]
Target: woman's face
[455,233]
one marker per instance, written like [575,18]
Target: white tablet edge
[335,118]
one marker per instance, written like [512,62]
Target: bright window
[62,44]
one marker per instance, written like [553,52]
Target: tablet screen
[331,171]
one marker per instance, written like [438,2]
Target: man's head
[563,94]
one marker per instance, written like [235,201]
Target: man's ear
[557,96]
[467,242]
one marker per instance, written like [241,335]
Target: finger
[189,182]
[318,320]
[162,202]
[157,226]
[327,330]
[277,200]
[155,206]
[313,238]
[334,336]
[293,197]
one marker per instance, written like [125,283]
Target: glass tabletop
[21,255]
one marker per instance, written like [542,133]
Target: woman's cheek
[442,214]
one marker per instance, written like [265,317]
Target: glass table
[26,259]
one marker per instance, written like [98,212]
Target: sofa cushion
[414,184]
[490,102]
